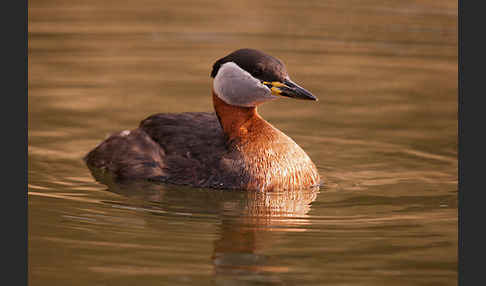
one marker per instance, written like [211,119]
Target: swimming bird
[231,148]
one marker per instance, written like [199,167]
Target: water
[383,135]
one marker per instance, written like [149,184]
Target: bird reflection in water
[251,223]
[250,229]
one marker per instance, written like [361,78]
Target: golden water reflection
[249,223]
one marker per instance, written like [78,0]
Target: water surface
[383,135]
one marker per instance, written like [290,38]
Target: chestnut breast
[267,158]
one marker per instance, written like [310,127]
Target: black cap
[257,63]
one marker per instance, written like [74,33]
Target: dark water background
[383,135]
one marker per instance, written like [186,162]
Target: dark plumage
[232,148]
[172,148]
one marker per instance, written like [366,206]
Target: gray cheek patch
[237,87]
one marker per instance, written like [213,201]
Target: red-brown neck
[269,158]
[235,120]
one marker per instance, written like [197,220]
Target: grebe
[233,148]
